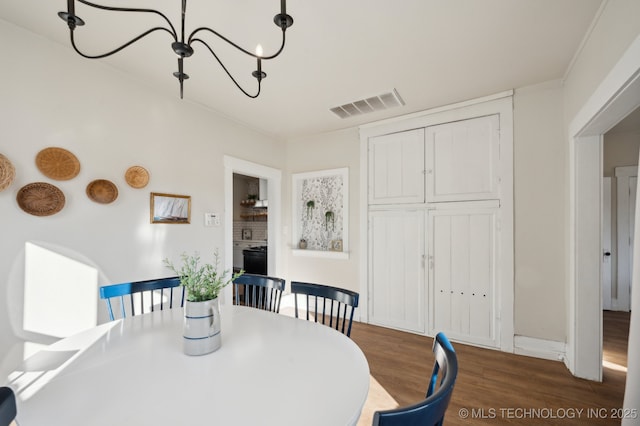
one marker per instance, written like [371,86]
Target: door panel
[626,182]
[396,273]
[462,277]
[462,160]
[606,243]
[396,168]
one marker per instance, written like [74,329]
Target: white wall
[314,153]
[540,181]
[540,184]
[52,97]
[620,149]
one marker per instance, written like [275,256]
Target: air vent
[375,103]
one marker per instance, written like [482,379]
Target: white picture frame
[321,213]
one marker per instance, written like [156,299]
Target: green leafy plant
[310,205]
[329,218]
[203,281]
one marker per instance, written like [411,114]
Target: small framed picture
[170,208]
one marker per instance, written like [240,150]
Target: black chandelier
[181,46]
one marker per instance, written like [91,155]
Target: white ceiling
[433,52]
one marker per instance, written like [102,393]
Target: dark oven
[255,260]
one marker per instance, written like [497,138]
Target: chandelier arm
[225,68]
[284,39]
[116,50]
[129,9]
[245,51]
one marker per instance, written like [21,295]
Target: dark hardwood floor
[495,387]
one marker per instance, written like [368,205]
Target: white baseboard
[540,348]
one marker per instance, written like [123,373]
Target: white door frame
[614,99]
[274,189]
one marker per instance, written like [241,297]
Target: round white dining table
[271,370]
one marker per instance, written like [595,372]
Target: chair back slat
[336,302]
[259,291]
[307,310]
[131,290]
[122,305]
[432,409]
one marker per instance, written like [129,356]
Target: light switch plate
[211,219]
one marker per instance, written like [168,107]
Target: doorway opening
[250,224]
[259,223]
[621,149]
[614,99]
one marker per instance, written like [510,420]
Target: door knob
[607,253]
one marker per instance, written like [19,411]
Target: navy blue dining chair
[330,304]
[8,410]
[258,291]
[431,410]
[123,291]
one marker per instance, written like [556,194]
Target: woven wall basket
[137,177]
[7,172]
[102,191]
[58,163]
[40,199]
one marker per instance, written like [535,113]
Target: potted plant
[329,218]
[310,206]
[203,283]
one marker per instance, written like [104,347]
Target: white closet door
[606,243]
[463,160]
[396,168]
[462,274]
[396,270]
[626,181]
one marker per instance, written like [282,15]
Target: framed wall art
[170,208]
[321,213]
